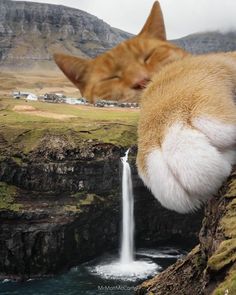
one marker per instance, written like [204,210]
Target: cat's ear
[155,26]
[75,68]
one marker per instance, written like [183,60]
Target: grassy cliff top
[23,124]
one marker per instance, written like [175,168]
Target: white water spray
[127,242]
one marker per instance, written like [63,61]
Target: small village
[61,98]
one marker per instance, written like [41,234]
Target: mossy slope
[8,197]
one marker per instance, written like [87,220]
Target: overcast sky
[182,17]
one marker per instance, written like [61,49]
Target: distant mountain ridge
[31,32]
[208,42]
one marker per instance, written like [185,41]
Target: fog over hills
[31,32]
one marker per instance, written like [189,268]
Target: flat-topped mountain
[30,32]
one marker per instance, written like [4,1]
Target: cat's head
[124,71]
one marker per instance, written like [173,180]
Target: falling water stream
[126,267]
[127,239]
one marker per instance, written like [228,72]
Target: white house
[26,95]
[32,97]
[74,101]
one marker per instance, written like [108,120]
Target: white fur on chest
[191,164]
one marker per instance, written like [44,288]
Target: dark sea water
[86,279]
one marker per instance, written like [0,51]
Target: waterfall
[127,239]
[126,268]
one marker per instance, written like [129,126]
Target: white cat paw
[187,170]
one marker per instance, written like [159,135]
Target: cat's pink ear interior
[154,25]
[74,68]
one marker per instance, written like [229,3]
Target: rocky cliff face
[60,206]
[30,32]
[210,268]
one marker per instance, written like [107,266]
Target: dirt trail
[30,110]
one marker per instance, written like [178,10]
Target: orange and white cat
[187,130]
[124,71]
[187,127]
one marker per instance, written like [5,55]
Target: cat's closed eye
[115,77]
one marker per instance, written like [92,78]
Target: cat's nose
[141,84]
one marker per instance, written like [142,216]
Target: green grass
[72,208]
[232,190]
[228,222]
[81,200]
[25,130]
[125,116]
[228,286]
[7,197]
[226,251]
[224,255]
